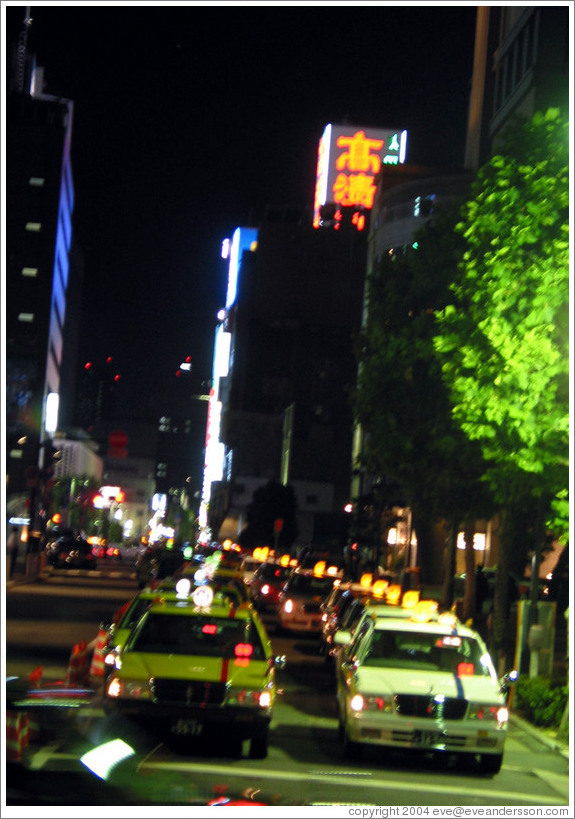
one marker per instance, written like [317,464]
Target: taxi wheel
[490,763]
[351,749]
[259,746]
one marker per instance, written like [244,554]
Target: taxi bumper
[235,721]
[457,736]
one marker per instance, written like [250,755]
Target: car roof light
[183,587]
[393,594]
[410,599]
[203,596]
[379,587]
[319,568]
[424,610]
[366,580]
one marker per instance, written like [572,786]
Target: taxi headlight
[247,698]
[370,703]
[288,606]
[489,713]
[119,688]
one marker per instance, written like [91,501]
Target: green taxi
[167,591]
[197,668]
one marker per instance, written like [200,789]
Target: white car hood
[375,681]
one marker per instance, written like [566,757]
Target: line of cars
[192,653]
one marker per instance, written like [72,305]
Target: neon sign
[349,158]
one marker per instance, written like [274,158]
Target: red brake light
[243,650]
[465,670]
[209,628]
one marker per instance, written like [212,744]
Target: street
[305,764]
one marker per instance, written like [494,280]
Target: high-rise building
[521,65]
[284,364]
[41,263]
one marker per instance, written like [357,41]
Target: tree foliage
[401,400]
[503,338]
[271,502]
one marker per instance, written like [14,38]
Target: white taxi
[428,686]
[298,606]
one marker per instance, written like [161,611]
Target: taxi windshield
[199,635]
[425,650]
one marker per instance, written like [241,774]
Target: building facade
[521,65]
[39,266]
[284,365]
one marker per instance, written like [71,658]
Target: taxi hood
[389,681]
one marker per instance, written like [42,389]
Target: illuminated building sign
[349,157]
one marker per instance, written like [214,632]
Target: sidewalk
[546,737]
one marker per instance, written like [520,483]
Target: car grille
[311,608]
[188,692]
[417,705]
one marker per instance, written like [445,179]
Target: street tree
[503,338]
[270,503]
[401,401]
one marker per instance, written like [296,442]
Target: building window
[31,272]
[29,317]
[34,227]
[36,182]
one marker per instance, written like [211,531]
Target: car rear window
[309,584]
[271,572]
[199,635]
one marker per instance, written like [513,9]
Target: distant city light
[52,404]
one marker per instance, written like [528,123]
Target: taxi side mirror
[507,682]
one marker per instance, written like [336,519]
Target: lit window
[36,181]
[34,227]
[29,317]
[31,272]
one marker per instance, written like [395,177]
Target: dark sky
[190,119]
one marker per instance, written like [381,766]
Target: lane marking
[297,776]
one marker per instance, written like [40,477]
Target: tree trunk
[563,732]
[501,597]
[469,595]
[449,565]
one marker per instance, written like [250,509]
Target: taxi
[427,685]
[198,668]
[166,591]
[299,602]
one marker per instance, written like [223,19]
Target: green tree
[271,502]
[401,401]
[503,338]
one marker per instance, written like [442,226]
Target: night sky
[190,119]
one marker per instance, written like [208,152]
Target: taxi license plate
[187,727]
[425,738]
